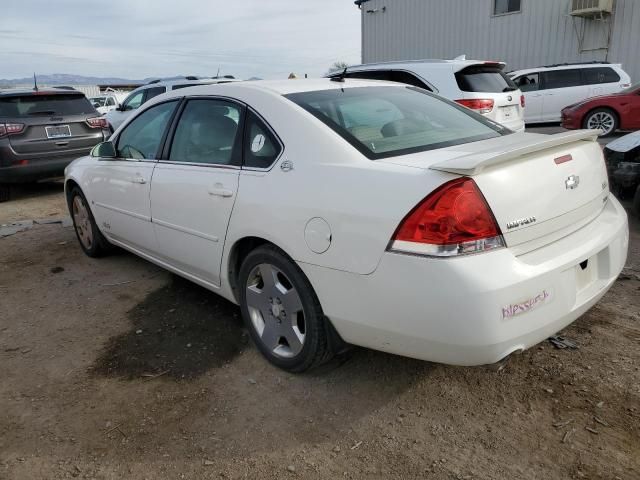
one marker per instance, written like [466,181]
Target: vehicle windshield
[43,104]
[631,89]
[388,121]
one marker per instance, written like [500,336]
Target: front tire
[91,240]
[604,119]
[281,311]
[5,192]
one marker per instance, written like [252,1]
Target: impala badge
[520,222]
[572,182]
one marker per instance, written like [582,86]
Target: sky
[160,38]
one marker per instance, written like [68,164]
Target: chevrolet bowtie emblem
[572,182]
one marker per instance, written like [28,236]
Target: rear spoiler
[474,163]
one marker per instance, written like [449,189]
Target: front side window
[207,133]
[387,121]
[528,83]
[261,148]
[562,78]
[500,7]
[154,92]
[596,75]
[133,101]
[141,138]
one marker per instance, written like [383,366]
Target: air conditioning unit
[590,8]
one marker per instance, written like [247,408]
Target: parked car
[607,112]
[549,89]
[372,213]
[479,85]
[622,157]
[42,131]
[143,94]
[109,100]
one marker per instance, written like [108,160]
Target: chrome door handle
[139,179]
[220,192]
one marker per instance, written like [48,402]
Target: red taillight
[10,128]
[97,122]
[453,220]
[522,102]
[480,105]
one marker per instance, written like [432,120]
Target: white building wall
[543,33]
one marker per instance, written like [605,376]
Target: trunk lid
[539,187]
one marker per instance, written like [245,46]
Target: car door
[120,186]
[561,88]
[529,85]
[194,186]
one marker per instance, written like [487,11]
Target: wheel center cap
[276,310]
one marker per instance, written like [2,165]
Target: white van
[476,84]
[549,89]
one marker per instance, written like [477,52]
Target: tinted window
[562,78]
[528,83]
[134,101]
[373,75]
[141,138]
[261,148]
[110,102]
[154,92]
[207,133]
[42,104]
[484,79]
[506,6]
[597,75]
[391,76]
[387,121]
[177,87]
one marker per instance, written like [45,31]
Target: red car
[608,113]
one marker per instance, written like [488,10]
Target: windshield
[43,104]
[387,121]
[631,89]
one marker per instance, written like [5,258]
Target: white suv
[476,84]
[551,88]
[143,94]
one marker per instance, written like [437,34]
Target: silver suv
[143,94]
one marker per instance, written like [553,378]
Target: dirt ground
[114,369]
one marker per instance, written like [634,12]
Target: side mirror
[104,150]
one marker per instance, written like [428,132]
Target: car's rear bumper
[480,308]
[30,169]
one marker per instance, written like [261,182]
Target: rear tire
[5,192]
[91,240]
[282,312]
[603,118]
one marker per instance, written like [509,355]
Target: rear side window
[597,75]
[207,133]
[141,138]
[388,121]
[35,105]
[154,92]
[482,78]
[261,147]
[562,78]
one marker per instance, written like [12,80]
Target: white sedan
[358,212]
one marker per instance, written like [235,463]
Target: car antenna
[35,83]
[218,73]
[340,78]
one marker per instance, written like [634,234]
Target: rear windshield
[483,78]
[34,105]
[388,121]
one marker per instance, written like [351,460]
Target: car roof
[281,87]
[16,92]
[413,64]
[568,66]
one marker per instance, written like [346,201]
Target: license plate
[508,112]
[58,131]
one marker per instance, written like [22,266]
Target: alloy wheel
[275,310]
[603,121]
[82,222]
